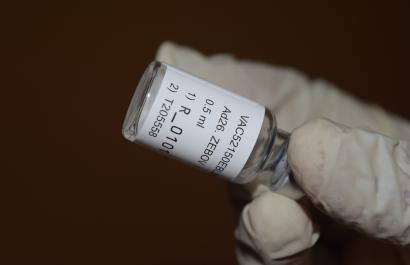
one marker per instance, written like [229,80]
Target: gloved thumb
[272,230]
[357,176]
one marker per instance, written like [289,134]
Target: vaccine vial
[190,119]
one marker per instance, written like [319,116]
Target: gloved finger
[288,93]
[357,176]
[274,229]
[269,85]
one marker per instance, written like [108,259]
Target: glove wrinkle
[355,175]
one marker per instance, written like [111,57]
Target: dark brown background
[73,191]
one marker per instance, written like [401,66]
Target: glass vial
[207,126]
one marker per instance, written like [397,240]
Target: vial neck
[276,172]
[275,167]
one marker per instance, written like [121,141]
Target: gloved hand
[355,175]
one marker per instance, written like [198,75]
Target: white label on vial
[202,124]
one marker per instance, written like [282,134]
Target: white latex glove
[355,175]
